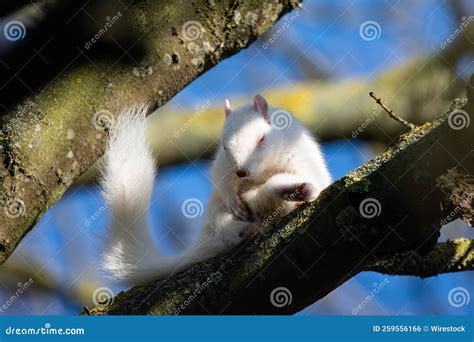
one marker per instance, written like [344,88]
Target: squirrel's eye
[261,140]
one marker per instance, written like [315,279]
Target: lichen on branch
[450,256]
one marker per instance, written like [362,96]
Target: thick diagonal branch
[392,204]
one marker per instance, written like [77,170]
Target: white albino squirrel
[262,171]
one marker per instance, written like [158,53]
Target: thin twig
[390,112]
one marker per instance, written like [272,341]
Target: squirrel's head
[246,136]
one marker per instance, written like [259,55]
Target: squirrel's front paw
[239,209]
[301,192]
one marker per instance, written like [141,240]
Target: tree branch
[390,112]
[451,256]
[54,136]
[392,204]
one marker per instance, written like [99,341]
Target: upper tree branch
[58,133]
[392,204]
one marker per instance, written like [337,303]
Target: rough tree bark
[451,256]
[384,216]
[54,136]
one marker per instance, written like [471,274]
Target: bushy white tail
[130,256]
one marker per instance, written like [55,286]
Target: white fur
[285,159]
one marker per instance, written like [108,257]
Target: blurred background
[315,61]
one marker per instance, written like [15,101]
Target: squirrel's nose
[241,173]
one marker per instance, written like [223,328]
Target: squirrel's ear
[227,108]
[260,105]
